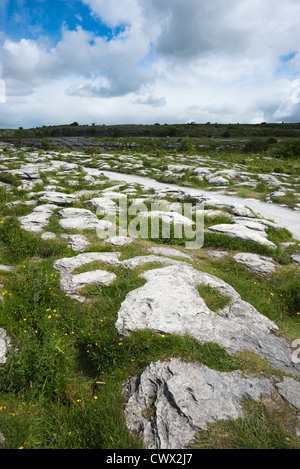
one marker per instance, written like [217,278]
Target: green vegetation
[61,386]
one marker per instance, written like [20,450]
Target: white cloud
[150,100]
[168,60]
[115,13]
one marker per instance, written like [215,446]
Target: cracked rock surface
[169,302]
[172,401]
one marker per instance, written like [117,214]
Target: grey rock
[269,179]
[169,302]
[94,277]
[173,401]
[72,283]
[81,219]
[170,252]
[217,213]
[259,264]
[4,344]
[119,240]
[68,264]
[217,254]
[242,232]
[48,235]
[38,219]
[289,389]
[103,205]
[78,243]
[218,181]
[169,217]
[296,258]
[58,198]
[138,261]
[6,268]
[277,194]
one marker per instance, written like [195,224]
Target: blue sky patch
[31,19]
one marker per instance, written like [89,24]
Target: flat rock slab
[242,232]
[81,219]
[4,343]
[103,205]
[296,258]
[218,181]
[181,399]
[217,254]
[59,198]
[72,283]
[68,264]
[168,217]
[164,251]
[38,219]
[6,268]
[48,235]
[259,264]
[170,303]
[289,389]
[119,240]
[94,277]
[78,243]
[138,261]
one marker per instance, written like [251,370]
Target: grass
[61,387]
[259,428]
[213,299]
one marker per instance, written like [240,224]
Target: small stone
[218,181]
[6,268]
[296,258]
[289,389]
[259,264]
[58,198]
[169,252]
[4,343]
[81,219]
[77,242]
[119,240]
[48,235]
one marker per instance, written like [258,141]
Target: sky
[149,61]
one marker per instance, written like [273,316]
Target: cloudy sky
[148,61]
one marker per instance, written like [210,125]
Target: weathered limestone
[173,401]
[48,235]
[72,283]
[81,219]
[103,205]
[6,268]
[169,302]
[259,264]
[95,277]
[218,181]
[137,261]
[4,343]
[171,252]
[289,389]
[119,240]
[58,198]
[244,232]
[77,242]
[38,219]
[168,217]
[296,258]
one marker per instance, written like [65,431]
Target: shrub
[256,145]
[289,149]
[186,145]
